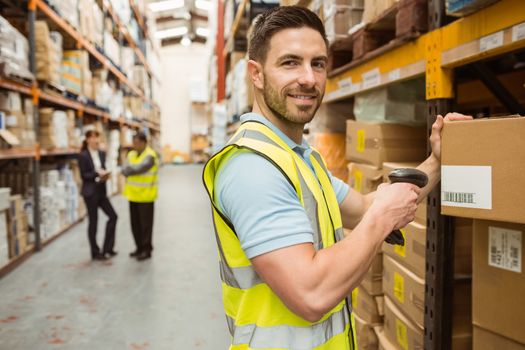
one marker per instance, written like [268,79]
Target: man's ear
[255,73]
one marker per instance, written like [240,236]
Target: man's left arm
[355,205]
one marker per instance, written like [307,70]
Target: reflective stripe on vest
[142,188]
[257,318]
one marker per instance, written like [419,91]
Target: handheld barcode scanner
[414,177]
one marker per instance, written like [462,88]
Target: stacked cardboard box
[485,184]
[401,103]
[4,246]
[68,9]
[375,8]
[111,47]
[48,51]
[91,26]
[14,51]
[327,135]
[340,16]
[17,227]
[17,114]
[76,76]
[112,156]
[55,128]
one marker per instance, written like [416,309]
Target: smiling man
[286,268]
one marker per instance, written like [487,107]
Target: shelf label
[491,41]
[518,32]
[399,287]
[371,78]
[466,186]
[505,249]
[345,83]
[394,75]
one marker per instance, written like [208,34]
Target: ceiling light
[172,32]
[203,5]
[166,5]
[202,32]
[185,41]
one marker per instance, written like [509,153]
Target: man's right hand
[396,204]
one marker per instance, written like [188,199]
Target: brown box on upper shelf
[375,8]
[498,279]
[376,143]
[478,179]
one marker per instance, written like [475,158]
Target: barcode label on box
[458,197]
[518,32]
[466,186]
[491,41]
[371,78]
[505,249]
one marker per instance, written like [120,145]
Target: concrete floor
[59,299]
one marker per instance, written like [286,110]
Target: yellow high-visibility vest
[257,318]
[142,188]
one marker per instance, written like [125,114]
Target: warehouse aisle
[59,299]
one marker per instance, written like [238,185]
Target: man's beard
[277,104]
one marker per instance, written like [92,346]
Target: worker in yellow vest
[285,266]
[141,170]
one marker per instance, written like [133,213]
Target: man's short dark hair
[139,135]
[273,21]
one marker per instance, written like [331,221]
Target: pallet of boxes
[389,133]
[14,228]
[485,182]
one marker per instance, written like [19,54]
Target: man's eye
[319,64]
[289,63]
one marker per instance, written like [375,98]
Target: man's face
[295,74]
[138,145]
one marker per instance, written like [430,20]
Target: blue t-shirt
[261,204]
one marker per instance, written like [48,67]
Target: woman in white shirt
[92,163]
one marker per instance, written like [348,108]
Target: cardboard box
[421,212]
[485,183]
[341,20]
[364,178]
[366,337]
[374,9]
[498,279]
[332,147]
[332,117]
[485,340]
[400,330]
[413,254]
[376,143]
[405,289]
[366,306]
[373,280]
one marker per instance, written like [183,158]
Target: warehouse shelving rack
[32,90]
[490,32]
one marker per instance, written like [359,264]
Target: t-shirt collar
[302,148]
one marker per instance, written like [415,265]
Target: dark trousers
[141,215]
[93,203]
